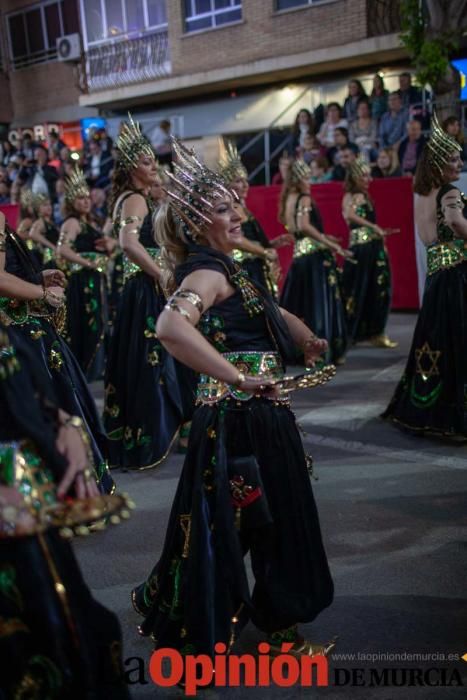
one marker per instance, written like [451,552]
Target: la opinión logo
[229,670]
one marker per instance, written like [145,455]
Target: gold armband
[2,241]
[190,296]
[131,220]
[173,306]
[62,238]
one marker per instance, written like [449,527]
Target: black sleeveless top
[19,261]
[231,325]
[51,232]
[314,217]
[253,232]
[86,238]
[146,233]
[366,210]
[445,232]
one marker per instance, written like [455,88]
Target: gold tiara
[131,144]
[30,199]
[359,168]
[193,189]
[299,171]
[76,185]
[440,145]
[230,166]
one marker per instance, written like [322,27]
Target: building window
[33,32]
[104,20]
[289,4]
[205,14]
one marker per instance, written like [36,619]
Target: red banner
[11,212]
[393,200]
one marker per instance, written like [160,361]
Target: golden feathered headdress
[299,171]
[76,185]
[359,168]
[230,166]
[194,189]
[440,145]
[131,143]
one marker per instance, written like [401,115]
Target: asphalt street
[393,510]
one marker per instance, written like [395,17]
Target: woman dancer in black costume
[245,484]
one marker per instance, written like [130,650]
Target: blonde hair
[169,236]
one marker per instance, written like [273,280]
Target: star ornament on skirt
[432,357]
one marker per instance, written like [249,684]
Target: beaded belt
[306,246]
[48,255]
[17,312]
[363,234]
[22,468]
[442,256]
[130,269]
[99,258]
[267,364]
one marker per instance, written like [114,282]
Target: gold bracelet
[240,379]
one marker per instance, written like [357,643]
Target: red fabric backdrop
[11,212]
[393,200]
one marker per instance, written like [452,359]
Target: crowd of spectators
[385,128]
[41,167]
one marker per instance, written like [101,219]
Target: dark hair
[335,104]
[361,89]
[427,176]
[405,74]
[120,183]
[343,131]
[363,101]
[381,80]
[395,93]
[321,162]
[311,123]
[452,120]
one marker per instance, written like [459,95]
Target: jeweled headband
[76,185]
[440,145]
[131,144]
[359,168]
[194,189]
[230,166]
[299,171]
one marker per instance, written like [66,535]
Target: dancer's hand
[53,278]
[71,445]
[106,244]
[313,348]
[258,385]
[55,296]
[282,240]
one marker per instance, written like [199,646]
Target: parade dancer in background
[87,251]
[145,400]
[245,485]
[312,290]
[32,303]
[430,397]
[44,230]
[260,260]
[56,641]
[366,286]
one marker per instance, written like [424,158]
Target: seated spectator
[387,164]
[347,156]
[341,138]
[411,147]
[311,149]
[356,93]
[98,166]
[58,207]
[320,171]
[39,176]
[55,142]
[26,146]
[284,165]
[452,126]
[332,122]
[303,127]
[363,132]
[12,170]
[15,192]
[409,94]
[378,98]
[392,124]
[161,142]
[8,151]
[105,141]
[4,193]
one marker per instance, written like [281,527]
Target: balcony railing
[125,62]
[383,17]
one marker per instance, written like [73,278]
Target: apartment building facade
[211,66]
